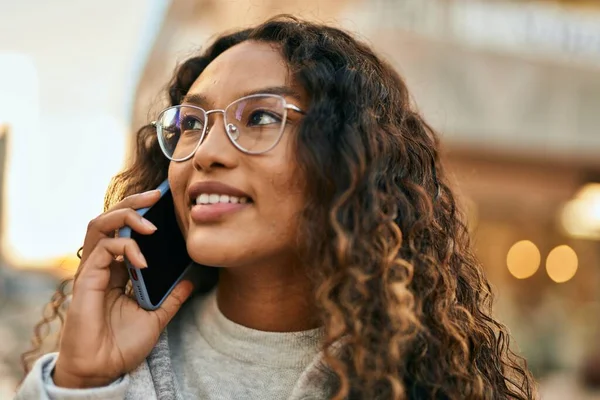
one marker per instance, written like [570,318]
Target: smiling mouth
[214,198]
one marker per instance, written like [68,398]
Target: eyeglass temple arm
[294,108]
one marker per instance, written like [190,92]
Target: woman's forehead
[246,67]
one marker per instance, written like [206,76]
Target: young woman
[346,274]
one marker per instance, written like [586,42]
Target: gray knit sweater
[206,356]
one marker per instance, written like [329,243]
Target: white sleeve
[38,385]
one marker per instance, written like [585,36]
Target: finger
[109,222]
[173,302]
[137,201]
[99,228]
[90,287]
[105,225]
[118,276]
[95,272]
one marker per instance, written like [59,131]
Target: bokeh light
[561,264]
[523,259]
[581,216]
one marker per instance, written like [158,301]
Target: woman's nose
[215,149]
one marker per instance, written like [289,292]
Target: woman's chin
[211,251]
[209,257]
[226,247]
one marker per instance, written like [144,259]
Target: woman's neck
[276,298]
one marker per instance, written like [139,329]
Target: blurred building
[4,136]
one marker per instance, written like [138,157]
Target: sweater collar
[274,349]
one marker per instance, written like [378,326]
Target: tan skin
[261,283]
[261,286]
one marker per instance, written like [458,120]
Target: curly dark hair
[404,303]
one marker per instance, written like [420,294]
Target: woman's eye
[263,118]
[191,124]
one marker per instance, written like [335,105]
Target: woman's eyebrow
[200,100]
[196,99]
[278,90]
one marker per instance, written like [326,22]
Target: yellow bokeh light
[523,259]
[581,215]
[561,264]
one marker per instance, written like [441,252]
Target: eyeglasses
[254,124]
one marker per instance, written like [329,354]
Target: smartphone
[165,251]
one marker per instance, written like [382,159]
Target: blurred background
[513,87]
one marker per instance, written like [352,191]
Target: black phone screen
[164,250]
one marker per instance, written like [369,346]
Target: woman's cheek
[178,184]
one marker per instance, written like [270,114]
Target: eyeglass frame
[286,107]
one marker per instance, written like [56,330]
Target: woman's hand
[106,333]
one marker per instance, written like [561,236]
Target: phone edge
[139,287]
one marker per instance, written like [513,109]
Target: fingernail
[150,192]
[149,224]
[143,259]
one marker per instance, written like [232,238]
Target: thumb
[173,302]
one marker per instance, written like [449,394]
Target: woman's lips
[206,213]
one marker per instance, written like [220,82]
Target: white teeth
[214,198]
